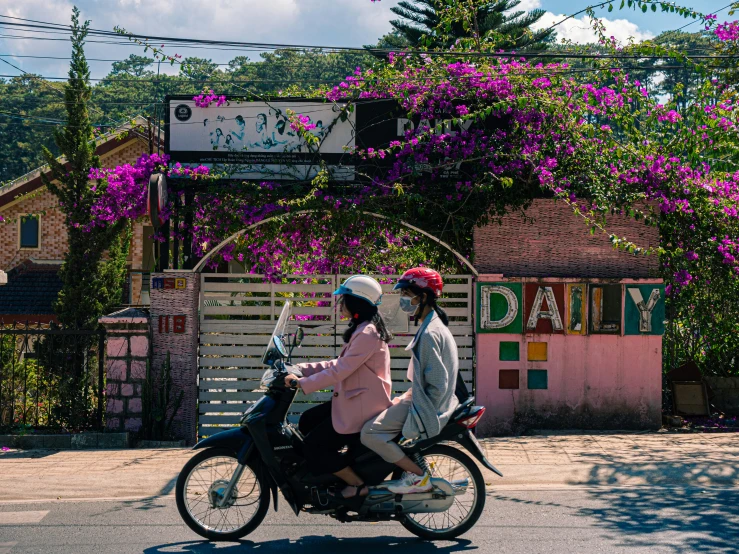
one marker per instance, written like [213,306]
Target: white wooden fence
[238,313]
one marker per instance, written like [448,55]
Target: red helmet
[421,277]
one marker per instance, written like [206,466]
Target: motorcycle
[224,491]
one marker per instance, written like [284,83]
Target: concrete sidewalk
[537,462]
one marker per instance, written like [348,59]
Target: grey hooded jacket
[433,370]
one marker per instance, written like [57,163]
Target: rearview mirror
[280,346]
[299,336]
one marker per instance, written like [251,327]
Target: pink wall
[598,381]
[594,381]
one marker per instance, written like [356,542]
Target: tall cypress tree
[419,22]
[94,265]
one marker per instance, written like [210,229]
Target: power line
[299,47]
[114,60]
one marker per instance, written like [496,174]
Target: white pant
[378,433]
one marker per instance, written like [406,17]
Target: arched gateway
[237,313]
[216,325]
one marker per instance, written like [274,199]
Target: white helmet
[362,286]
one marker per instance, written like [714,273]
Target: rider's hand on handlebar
[291,381]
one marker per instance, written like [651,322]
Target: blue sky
[313,22]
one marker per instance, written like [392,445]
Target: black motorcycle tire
[254,522]
[479,480]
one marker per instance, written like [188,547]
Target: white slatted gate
[238,313]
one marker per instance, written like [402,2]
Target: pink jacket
[360,377]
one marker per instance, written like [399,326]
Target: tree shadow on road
[686,506]
[315,544]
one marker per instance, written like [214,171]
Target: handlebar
[293,383]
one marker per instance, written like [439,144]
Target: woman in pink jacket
[361,382]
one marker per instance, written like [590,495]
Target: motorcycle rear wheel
[453,465]
[211,469]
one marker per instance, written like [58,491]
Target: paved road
[516,520]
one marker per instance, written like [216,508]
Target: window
[29,231]
[538,379]
[508,379]
[605,309]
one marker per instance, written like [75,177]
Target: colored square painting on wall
[499,308]
[538,379]
[544,307]
[509,351]
[576,304]
[508,379]
[537,352]
[644,310]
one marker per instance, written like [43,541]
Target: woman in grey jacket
[424,410]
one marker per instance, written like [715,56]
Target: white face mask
[407,306]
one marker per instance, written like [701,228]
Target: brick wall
[53,242]
[182,346]
[53,233]
[559,244]
[127,353]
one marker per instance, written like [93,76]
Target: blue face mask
[406,306]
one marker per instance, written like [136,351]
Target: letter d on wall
[499,308]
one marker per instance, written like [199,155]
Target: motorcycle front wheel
[199,484]
[462,473]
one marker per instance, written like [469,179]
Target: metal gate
[238,313]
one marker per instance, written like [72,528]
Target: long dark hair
[430,301]
[362,311]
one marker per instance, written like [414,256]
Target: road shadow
[315,544]
[686,506]
[683,520]
[147,503]
[26,454]
[666,465]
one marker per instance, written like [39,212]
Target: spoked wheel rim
[459,475]
[214,474]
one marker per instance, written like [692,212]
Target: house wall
[53,232]
[590,380]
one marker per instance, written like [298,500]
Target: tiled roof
[31,290]
[32,180]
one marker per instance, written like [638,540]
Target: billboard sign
[253,140]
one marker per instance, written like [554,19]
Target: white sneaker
[410,483]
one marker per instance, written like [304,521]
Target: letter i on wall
[577,302]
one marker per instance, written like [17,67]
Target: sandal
[354,501]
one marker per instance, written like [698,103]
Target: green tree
[198,69]
[94,265]
[134,66]
[495,20]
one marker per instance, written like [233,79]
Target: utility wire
[300,47]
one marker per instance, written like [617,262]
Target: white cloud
[306,22]
[580,30]
[528,5]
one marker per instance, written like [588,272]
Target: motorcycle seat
[462,408]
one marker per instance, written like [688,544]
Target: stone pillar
[127,351]
[174,324]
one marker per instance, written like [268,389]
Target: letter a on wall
[544,306]
[644,312]
[499,308]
